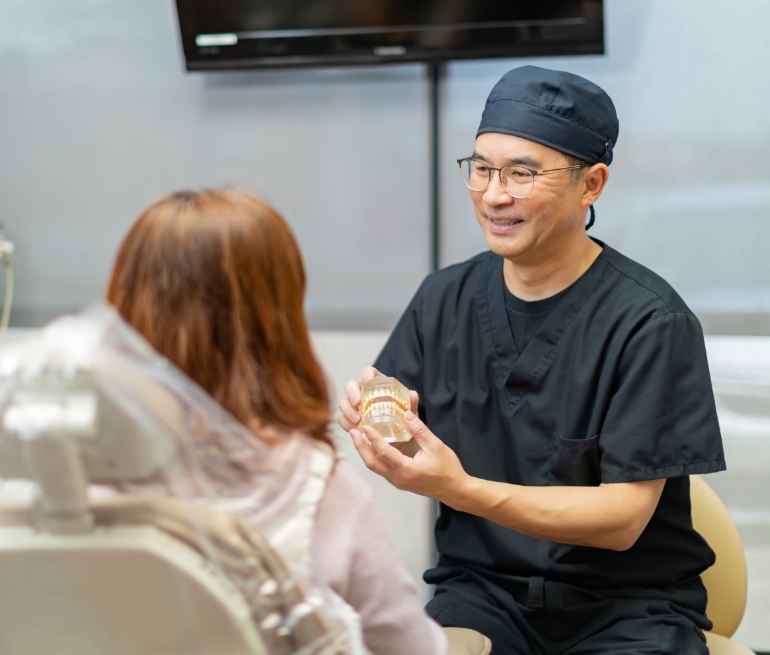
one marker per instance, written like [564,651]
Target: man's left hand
[435,471]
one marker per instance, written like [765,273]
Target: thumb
[414,401]
[368,373]
[422,435]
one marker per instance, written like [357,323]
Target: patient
[215,282]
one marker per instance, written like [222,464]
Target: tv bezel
[194,62]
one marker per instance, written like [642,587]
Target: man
[564,398]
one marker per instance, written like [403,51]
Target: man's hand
[435,471]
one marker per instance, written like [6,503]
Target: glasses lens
[475,174]
[518,181]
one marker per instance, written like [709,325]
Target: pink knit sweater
[354,555]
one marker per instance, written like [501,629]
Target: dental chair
[726,581]
[127,574]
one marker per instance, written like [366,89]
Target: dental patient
[214,281]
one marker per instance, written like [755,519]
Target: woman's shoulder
[346,502]
[343,482]
[348,482]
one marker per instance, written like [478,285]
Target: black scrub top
[526,316]
[613,387]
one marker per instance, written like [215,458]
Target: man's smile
[502,225]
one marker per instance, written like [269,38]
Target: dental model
[383,403]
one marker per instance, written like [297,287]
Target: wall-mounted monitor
[229,34]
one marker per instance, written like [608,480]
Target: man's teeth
[497,221]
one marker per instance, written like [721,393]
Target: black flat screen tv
[232,34]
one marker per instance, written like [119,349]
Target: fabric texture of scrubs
[613,387]
[571,620]
[525,317]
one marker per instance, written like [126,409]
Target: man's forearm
[608,516]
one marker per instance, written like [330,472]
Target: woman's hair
[214,281]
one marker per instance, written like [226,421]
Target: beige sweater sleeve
[354,556]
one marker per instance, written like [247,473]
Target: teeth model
[383,403]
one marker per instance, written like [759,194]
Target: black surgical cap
[560,110]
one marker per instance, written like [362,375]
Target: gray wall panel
[98,120]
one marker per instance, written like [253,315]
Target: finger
[391,456]
[370,458]
[414,401]
[345,424]
[353,392]
[368,373]
[422,435]
[349,412]
[362,446]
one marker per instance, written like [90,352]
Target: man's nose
[496,195]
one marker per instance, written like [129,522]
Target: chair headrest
[124,426]
[78,407]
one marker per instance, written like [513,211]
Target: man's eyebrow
[513,161]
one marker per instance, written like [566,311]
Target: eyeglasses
[517,181]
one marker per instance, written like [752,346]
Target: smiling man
[564,398]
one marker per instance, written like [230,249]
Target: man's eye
[480,168]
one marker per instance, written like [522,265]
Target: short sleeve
[403,354]
[661,420]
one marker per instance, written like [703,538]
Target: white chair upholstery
[118,590]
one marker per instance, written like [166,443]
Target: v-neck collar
[518,372]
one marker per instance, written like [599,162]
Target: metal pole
[436,75]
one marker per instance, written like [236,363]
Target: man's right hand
[349,417]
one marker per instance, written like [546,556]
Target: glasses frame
[533,172]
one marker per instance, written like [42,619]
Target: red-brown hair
[214,280]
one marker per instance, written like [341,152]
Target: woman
[215,282]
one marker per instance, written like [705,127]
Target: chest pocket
[575,462]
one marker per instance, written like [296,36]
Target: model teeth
[383,397]
[382,402]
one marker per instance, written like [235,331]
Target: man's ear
[594,179]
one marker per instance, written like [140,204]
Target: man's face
[527,228]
